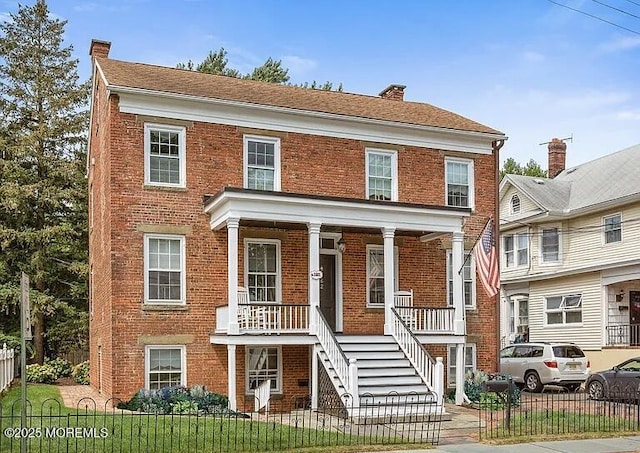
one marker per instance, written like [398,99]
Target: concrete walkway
[84,397]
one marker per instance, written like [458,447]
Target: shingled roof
[183,82]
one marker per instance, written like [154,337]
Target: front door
[328,289]
[634,317]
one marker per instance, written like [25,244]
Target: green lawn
[57,428]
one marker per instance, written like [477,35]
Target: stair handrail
[336,355]
[422,362]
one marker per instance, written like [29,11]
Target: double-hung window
[262,364]
[550,245]
[375,275]
[516,249]
[164,272]
[261,163]
[564,309]
[382,175]
[262,270]
[469,362]
[613,229]
[468,280]
[459,182]
[165,366]
[164,155]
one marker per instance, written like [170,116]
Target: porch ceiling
[293,208]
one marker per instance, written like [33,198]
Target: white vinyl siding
[526,205]
[589,333]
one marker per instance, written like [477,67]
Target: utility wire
[578,230]
[595,17]
[635,3]
[616,9]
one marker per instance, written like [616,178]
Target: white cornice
[274,207]
[258,116]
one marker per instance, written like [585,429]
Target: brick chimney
[99,48]
[393,92]
[557,157]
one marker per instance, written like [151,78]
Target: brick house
[243,231]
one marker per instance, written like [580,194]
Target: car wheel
[596,390]
[572,387]
[532,382]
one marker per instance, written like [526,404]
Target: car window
[522,351]
[568,351]
[507,352]
[632,365]
[537,351]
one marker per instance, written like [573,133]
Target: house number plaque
[316,274]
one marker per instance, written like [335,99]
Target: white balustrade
[343,367]
[273,318]
[7,357]
[413,350]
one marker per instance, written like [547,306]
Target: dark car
[620,382]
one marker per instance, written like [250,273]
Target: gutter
[567,272]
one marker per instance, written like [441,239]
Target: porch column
[231,376]
[314,283]
[460,374]
[232,273]
[314,376]
[457,258]
[388,234]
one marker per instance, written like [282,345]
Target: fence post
[3,367]
[438,381]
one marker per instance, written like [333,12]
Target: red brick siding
[309,164]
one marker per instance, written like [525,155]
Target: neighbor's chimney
[99,48]
[557,157]
[393,92]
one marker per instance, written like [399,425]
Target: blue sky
[529,68]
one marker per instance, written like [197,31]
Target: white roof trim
[566,272]
[303,209]
[259,116]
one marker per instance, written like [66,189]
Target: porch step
[385,375]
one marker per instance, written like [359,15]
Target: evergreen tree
[43,196]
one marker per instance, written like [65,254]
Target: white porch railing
[273,318]
[346,370]
[414,351]
[428,320]
[7,357]
[262,396]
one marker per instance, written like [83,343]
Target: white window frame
[472,269]
[604,228]
[394,169]
[275,141]
[470,176]
[451,362]
[515,237]
[183,266]
[540,237]
[147,362]
[278,390]
[182,155]
[371,247]
[564,309]
[515,208]
[247,243]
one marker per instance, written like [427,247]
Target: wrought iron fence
[288,425]
[559,412]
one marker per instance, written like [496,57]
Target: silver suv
[532,365]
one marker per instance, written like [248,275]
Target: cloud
[91,7]
[621,44]
[298,65]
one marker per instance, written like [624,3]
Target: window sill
[148,186]
[375,307]
[164,307]
[275,395]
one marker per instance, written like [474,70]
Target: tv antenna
[561,139]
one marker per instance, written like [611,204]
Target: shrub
[177,400]
[474,388]
[80,373]
[41,374]
[61,367]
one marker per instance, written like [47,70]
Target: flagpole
[466,257]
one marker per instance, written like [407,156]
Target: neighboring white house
[570,255]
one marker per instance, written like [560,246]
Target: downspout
[497,146]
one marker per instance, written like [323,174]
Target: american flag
[486,261]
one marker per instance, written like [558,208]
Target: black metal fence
[558,411]
[288,425]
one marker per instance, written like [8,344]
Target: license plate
[573,366]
